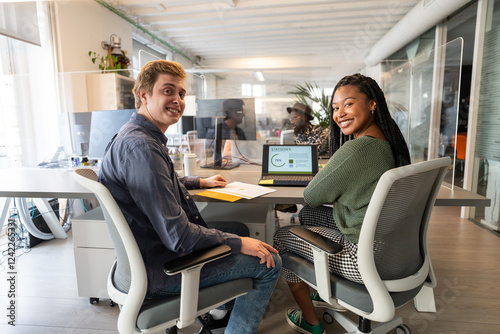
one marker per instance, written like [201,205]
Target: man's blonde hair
[149,75]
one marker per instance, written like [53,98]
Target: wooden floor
[465,256]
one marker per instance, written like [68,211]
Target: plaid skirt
[319,220]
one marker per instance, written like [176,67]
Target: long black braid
[392,133]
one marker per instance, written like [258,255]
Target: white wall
[81,26]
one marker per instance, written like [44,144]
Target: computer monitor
[188,123]
[104,124]
[74,132]
[81,132]
[238,115]
[221,119]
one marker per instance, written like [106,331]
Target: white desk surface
[294,195]
[59,183]
[41,183]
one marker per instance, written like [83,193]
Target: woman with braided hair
[365,142]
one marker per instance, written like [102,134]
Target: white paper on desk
[244,190]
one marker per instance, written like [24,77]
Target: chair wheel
[403,329]
[327,318]
[93,300]
[171,330]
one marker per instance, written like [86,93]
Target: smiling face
[166,104]
[352,111]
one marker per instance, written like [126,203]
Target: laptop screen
[290,159]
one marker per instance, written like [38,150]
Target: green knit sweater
[348,180]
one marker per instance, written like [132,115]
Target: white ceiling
[297,38]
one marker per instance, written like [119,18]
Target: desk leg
[5,210]
[424,301]
[271,226]
[50,218]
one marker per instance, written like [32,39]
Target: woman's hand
[213,181]
[254,247]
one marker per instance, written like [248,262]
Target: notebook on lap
[288,165]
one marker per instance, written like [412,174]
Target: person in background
[305,132]
[366,142]
[164,219]
[234,112]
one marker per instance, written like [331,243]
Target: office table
[42,184]
[294,195]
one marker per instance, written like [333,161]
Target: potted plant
[312,95]
[111,62]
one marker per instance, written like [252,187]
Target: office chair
[286,137]
[459,143]
[127,281]
[392,251]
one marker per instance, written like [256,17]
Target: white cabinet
[94,254]
[109,91]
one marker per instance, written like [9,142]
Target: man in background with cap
[306,133]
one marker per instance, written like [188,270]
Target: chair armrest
[316,240]
[196,258]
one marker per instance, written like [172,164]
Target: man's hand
[254,247]
[213,181]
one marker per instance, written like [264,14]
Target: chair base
[354,328]
[212,331]
[205,330]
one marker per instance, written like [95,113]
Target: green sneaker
[294,319]
[318,302]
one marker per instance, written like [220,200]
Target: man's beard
[298,130]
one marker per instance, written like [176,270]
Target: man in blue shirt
[164,219]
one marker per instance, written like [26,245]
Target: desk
[40,184]
[294,195]
[59,183]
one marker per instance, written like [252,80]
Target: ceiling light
[259,76]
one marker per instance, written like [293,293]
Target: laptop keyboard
[288,177]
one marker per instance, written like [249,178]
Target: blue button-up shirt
[164,219]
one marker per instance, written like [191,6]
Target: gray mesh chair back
[121,271]
[127,282]
[399,242]
[393,258]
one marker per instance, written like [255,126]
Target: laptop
[288,165]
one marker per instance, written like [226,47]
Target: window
[28,98]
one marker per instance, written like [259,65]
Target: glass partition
[486,160]
[423,97]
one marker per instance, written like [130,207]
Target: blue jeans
[248,309]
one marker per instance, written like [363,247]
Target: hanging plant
[111,62]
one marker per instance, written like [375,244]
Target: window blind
[19,20]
